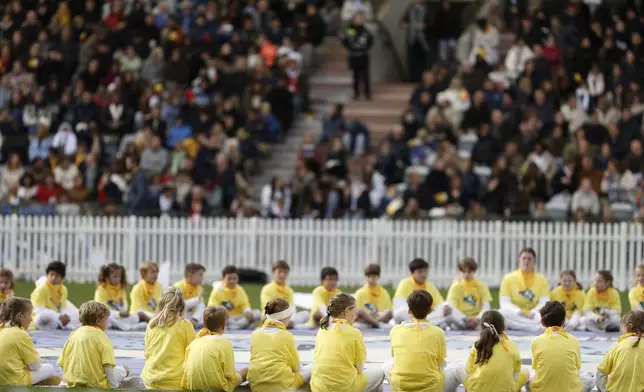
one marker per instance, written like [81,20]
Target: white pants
[305,372]
[454,374]
[122,323]
[196,313]
[241,322]
[45,372]
[574,322]
[436,317]
[589,324]
[375,378]
[300,317]
[587,379]
[520,323]
[48,320]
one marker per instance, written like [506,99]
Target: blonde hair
[90,313]
[146,267]
[215,317]
[172,306]
[11,310]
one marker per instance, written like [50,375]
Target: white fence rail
[27,244]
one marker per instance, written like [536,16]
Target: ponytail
[325,320]
[172,306]
[338,304]
[493,326]
[633,322]
[103,274]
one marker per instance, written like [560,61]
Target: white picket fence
[27,244]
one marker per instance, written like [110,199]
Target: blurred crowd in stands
[147,107]
[548,127]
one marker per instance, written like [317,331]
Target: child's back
[497,374]
[274,361]
[84,356]
[210,364]
[624,365]
[419,352]
[17,351]
[556,359]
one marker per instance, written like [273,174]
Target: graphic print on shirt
[152,304]
[471,300]
[527,294]
[569,306]
[228,305]
[371,307]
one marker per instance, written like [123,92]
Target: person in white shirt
[595,82]
[585,199]
[65,139]
[454,102]
[517,57]
[486,43]
[574,115]
[65,173]
[351,7]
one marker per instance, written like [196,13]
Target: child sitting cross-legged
[50,301]
[88,358]
[374,302]
[210,362]
[229,294]
[193,292]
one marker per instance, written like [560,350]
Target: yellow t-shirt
[419,351]
[468,297]
[189,291]
[275,290]
[407,285]
[234,299]
[321,297]
[373,298]
[338,350]
[86,352]
[165,354]
[624,365]
[145,297]
[573,299]
[114,297]
[5,296]
[556,359]
[17,351]
[52,297]
[496,375]
[606,300]
[274,361]
[636,297]
[524,290]
[210,365]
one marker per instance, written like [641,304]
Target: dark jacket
[358,41]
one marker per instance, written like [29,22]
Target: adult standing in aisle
[358,41]
[415,22]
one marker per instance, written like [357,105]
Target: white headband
[288,312]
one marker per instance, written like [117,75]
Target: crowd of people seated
[146,107]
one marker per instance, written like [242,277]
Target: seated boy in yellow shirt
[192,291]
[52,309]
[322,294]
[229,294]
[603,305]
[210,361]
[636,295]
[146,294]
[278,288]
[556,356]
[373,301]
[468,297]
[441,311]
[88,358]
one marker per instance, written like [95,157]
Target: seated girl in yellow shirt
[20,364]
[274,361]
[374,302]
[556,356]
[622,368]
[210,361]
[323,294]
[88,358]
[192,291]
[603,305]
[229,294]
[112,292]
[636,295]
[468,297]
[572,296]
[6,284]
[278,288]
[166,339]
[340,352]
[146,294]
[419,349]
[49,298]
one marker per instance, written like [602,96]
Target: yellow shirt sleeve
[385,299]
[267,294]
[229,368]
[436,295]
[506,290]
[138,302]
[591,300]
[361,351]
[403,290]
[27,350]
[615,300]
[39,297]
[244,302]
[100,295]
[607,363]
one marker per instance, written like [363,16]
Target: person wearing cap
[358,41]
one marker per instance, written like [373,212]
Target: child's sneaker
[130,383]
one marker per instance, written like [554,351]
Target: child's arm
[115,374]
[192,302]
[229,368]
[361,354]
[604,369]
[506,302]
[484,308]
[601,379]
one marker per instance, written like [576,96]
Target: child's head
[112,274]
[372,273]
[527,258]
[6,280]
[274,309]
[215,318]
[468,268]
[633,322]
[194,273]
[568,280]
[94,314]
[492,327]
[172,306]
[418,269]
[420,304]
[230,276]
[553,314]
[16,312]
[341,306]
[149,272]
[639,275]
[329,278]
[56,272]
[603,280]
[280,271]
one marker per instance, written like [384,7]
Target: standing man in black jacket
[358,41]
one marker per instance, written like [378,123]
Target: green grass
[83,292]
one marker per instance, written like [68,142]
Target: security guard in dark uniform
[358,41]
